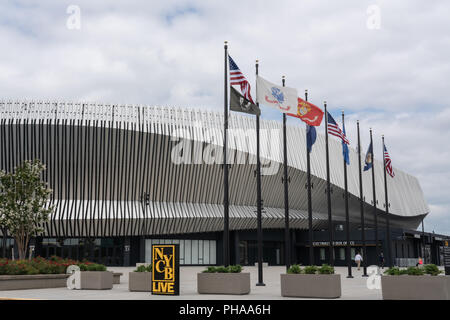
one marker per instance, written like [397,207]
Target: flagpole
[386,205]
[258,197]
[328,190]
[226,232]
[423,242]
[347,218]
[308,183]
[361,206]
[287,253]
[375,216]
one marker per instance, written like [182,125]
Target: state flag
[369,158]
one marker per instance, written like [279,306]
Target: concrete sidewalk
[355,288]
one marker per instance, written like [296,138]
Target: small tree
[24,203]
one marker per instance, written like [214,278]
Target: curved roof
[205,128]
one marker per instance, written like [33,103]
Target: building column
[237,259]
[126,251]
[142,250]
[294,247]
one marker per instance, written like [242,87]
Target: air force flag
[282,98]
[369,158]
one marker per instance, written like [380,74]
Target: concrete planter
[36,281]
[223,283]
[116,277]
[140,281]
[405,287]
[311,285]
[96,280]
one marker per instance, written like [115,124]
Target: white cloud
[394,79]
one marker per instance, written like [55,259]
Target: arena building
[126,176]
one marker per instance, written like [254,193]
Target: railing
[406,262]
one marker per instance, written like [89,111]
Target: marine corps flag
[282,98]
[240,104]
[308,113]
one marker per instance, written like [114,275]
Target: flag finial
[225,42]
[306,91]
[357,121]
[282,77]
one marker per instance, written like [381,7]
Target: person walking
[419,262]
[358,260]
[381,259]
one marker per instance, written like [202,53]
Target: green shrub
[431,269]
[326,269]
[143,268]
[87,266]
[294,269]
[235,269]
[310,269]
[222,269]
[392,271]
[415,271]
[411,271]
[210,269]
[230,269]
[39,265]
[403,271]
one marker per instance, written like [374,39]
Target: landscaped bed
[39,273]
[140,279]
[311,282]
[223,280]
[415,283]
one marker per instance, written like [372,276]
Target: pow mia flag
[240,104]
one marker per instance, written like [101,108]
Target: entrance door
[243,253]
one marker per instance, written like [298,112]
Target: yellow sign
[446,243]
[165,269]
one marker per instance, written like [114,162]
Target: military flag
[308,112]
[240,104]
[282,98]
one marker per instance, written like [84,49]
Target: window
[322,253]
[342,253]
[192,252]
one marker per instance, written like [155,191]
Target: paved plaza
[355,288]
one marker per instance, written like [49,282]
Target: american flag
[388,163]
[237,78]
[334,129]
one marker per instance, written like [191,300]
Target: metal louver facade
[102,159]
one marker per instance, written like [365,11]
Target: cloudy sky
[385,62]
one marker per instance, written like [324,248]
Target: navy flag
[369,158]
[311,136]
